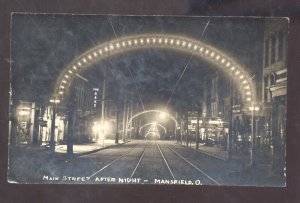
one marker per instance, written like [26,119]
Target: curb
[212,155]
[206,153]
[96,150]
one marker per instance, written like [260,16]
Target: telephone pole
[230,131]
[103,106]
[197,127]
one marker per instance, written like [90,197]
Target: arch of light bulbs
[153,123]
[151,111]
[184,44]
[151,133]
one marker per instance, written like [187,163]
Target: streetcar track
[195,167]
[162,155]
[107,165]
[141,157]
[120,157]
[166,162]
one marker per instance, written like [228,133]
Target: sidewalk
[28,163]
[215,152]
[260,174]
[262,159]
[82,149]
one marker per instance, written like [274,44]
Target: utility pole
[117,125]
[230,131]
[124,121]
[181,128]
[71,122]
[71,126]
[252,136]
[175,132]
[127,119]
[103,106]
[131,106]
[187,128]
[52,135]
[14,125]
[37,115]
[197,127]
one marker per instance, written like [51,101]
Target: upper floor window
[280,46]
[213,88]
[266,52]
[273,48]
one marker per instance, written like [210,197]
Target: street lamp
[24,112]
[162,116]
[252,109]
[100,129]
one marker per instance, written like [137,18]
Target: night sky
[42,44]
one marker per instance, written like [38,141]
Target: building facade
[218,114]
[274,90]
[266,121]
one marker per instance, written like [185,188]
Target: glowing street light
[100,129]
[24,112]
[153,123]
[54,101]
[252,109]
[162,116]
[156,40]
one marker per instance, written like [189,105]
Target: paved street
[141,162]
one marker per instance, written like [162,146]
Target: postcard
[164,100]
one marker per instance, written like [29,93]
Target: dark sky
[43,44]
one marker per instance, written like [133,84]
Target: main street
[136,162]
[147,162]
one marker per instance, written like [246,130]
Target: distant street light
[252,109]
[54,101]
[100,129]
[162,116]
[24,112]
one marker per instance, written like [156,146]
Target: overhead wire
[186,66]
[130,72]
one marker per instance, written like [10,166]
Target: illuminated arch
[151,133]
[134,42]
[151,111]
[152,123]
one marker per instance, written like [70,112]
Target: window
[273,79]
[227,88]
[273,48]
[266,52]
[266,88]
[214,88]
[280,46]
[214,109]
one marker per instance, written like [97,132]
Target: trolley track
[115,161]
[204,174]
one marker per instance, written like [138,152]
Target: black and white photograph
[163,100]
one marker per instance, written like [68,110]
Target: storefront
[25,119]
